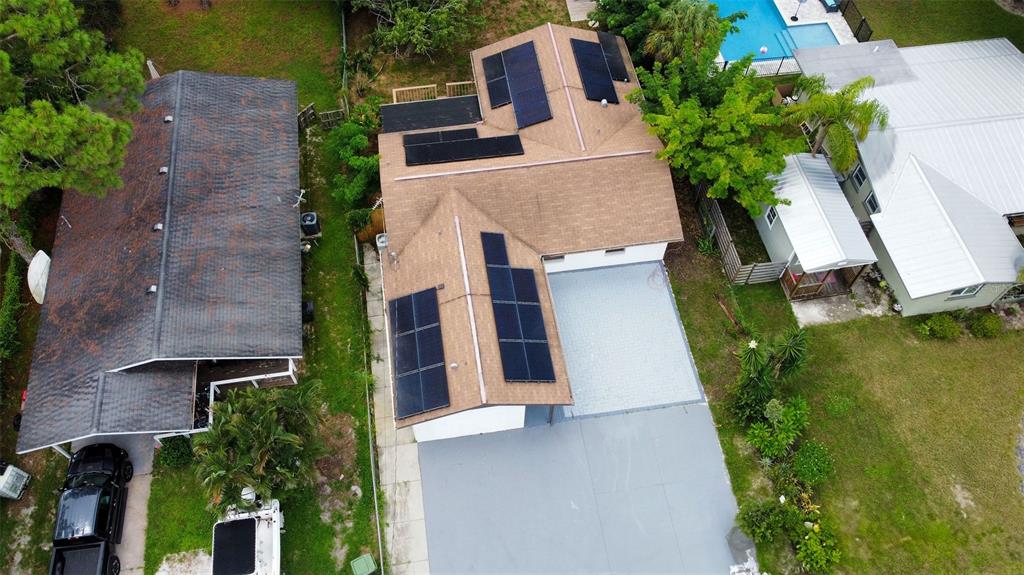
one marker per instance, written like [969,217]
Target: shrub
[785,423]
[350,143]
[358,219]
[706,245]
[940,326]
[10,307]
[812,463]
[818,551]
[761,520]
[175,452]
[986,325]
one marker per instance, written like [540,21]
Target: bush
[785,423]
[175,452]
[986,325]
[812,463]
[761,520]
[358,219]
[940,326]
[10,306]
[818,551]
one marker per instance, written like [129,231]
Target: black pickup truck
[90,514]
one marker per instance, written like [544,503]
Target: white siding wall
[934,303]
[471,422]
[775,240]
[602,258]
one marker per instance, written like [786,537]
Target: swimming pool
[764,26]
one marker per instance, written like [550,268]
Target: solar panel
[526,85]
[461,150]
[497,84]
[597,80]
[613,55]
[518,318]
[421,383]
[442,136]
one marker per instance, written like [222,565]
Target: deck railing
[414,93]
[454,89]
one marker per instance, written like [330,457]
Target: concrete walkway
[131,550]
[578,9]
[398,455]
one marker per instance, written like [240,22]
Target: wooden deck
[804,286]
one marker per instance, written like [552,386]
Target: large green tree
[840,119]
[688,29]
[631,19]
[63,95]
[734,144]
[264,439]
[423,27]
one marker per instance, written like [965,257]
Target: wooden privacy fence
[735,270]
[308,116]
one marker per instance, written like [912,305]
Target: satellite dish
[38,271]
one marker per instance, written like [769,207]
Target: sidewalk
[398,455]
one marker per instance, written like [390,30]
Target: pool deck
[813,12]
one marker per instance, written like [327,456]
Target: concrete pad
[407,541]
[132,548]
[407,463]
[629,492]
[407,499]
[578,9]
[623,342]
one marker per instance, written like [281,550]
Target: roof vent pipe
[604,102]
[152,289]
[163,170]
[168,119]
[158,226]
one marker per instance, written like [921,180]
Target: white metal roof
[818,220]
[958,107]
[942,238]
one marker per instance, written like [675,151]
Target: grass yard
[916,22]
[298,41]
[923,432]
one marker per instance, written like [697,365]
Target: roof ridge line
[945,216]
[171,169]
[526,165]
[954,123]
[565,87]
[817,206]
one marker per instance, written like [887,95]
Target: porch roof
[818,220]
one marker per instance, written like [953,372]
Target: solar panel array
[459,150]
[514,76]
[613,55]
[522,338]
[593,68]
[442,136]
[421,383]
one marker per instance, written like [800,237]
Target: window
[859,177]
[770,216]
[966,292]
[871,203]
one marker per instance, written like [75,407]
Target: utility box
[13,481]
[363,565]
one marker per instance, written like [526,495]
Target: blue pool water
[764,26]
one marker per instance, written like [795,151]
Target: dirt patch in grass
[339,436]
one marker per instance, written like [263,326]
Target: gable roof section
[226,263]
[818,220]
[957,107]
[942,238]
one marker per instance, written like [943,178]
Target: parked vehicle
[249,542]
[90,515]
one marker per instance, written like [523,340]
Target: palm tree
[264,439]
[687,27]
[841,118]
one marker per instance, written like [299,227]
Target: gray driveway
[640,492]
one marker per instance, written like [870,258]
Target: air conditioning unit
[310,225]
[13,481]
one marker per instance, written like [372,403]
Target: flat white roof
[818,220]
[942,238]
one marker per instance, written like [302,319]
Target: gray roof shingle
[227,262]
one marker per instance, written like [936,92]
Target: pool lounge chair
[830,5]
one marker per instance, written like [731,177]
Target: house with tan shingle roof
[548,169]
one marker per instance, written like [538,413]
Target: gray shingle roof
[227,262]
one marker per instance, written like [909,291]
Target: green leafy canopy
[61,92]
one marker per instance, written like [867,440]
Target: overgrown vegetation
[423,27]
[353,143]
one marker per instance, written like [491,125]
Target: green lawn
[294,40]
[178,519]
[913,425]
[916,22]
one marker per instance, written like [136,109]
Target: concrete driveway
[131,550]
[640,492]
